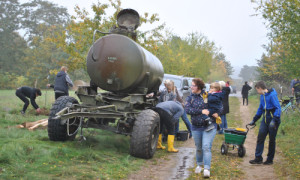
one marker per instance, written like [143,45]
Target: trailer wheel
[241,151]
[144,135]
[57,131]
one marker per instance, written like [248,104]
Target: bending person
[169,113]
[27,92]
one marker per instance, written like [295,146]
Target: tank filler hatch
[128,21]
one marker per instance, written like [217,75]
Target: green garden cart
[234,139]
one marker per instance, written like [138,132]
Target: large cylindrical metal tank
[118,64]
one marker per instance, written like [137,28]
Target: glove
[274,123]
[256,117]
[252,123]
[218,120]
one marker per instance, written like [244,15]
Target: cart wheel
[241,151]
[224,149]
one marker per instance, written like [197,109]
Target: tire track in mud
[174,166]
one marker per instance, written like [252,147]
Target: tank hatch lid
[129,19]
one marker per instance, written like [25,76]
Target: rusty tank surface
[118,64]
[128,72]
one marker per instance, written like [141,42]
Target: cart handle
[250,128]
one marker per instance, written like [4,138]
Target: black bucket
[182,135]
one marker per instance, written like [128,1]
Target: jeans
[224,124]
[186,122]
[264,130]
[203,141]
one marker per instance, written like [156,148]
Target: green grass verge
[289,146]
[30,155]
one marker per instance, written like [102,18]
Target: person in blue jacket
[270,109]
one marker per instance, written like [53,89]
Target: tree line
[281,62]
[38,37]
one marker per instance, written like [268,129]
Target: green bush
[12,80]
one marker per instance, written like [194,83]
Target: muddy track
[175,166]
[254,171]
[178,165]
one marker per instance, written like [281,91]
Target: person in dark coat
[226,91]
[27,92]
[245,91]
[62,83]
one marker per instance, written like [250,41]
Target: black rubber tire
[241,151]
[56,131]
[224,149]
[144,135]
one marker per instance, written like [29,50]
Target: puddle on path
[185,161]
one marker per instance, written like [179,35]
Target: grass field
[104,155]
[30,155]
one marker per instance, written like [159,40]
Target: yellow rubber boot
[171,144]
[159,145]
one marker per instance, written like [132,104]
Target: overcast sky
[226,22]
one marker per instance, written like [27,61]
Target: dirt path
[174,166]
[177,165]
[254,171]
